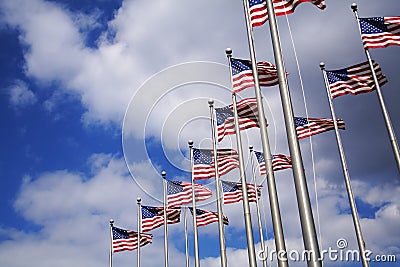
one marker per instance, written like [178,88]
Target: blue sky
[97,97]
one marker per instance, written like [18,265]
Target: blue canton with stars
[222,114]
[198,211]
[256,2]
[337,76]
[119,233]
[150,212]
[239,65]
[300,121]
[229,186]
[260,157]
[373,25]
[174,187]
[202,156]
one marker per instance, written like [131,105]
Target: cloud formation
[21,96]
[67,208]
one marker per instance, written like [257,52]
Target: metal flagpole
[163,174]
[385,113]
[264,253]
[303,197]
[272,191]
[218,188]
[186,237]
[246,207]
[196,239]
[139,228]
[356,219]
[111,244]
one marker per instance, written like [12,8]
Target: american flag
[242,74]
[233,192]
[311,126]
[279,162]
[128,240]
[258,9]
[180,193]
[380,32]
[356,79]
[204,217]
[247,113]
[153,217]
[203,162]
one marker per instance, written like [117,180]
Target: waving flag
[228,159]
[247,113]
[242,74]
[380,32]
[258,9]
[128,240]
[279,162]
[205,217]
[233,192]
[356,79]
[311,126]
[180,193]
[153,217]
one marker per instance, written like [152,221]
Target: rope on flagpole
[263,207]
[262,245]
[264,214]
[311,144]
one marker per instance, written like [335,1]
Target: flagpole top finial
[354,7]
[190,142]
[211,102]
[163,174]
[228,52]
[111,222]
[251,148]
[138,199]
[322,65]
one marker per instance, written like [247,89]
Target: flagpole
[196,239]
[218,188]
[111,244]
[186,237]
[356,219]
[272,191]
[264,253]
[246,207]
[303,198]
[163,174]
[392,136]
[139,228]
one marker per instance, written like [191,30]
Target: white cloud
[73,193]
[72,210]
[143,39]
[106,77]
[379,232]
[21,96]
